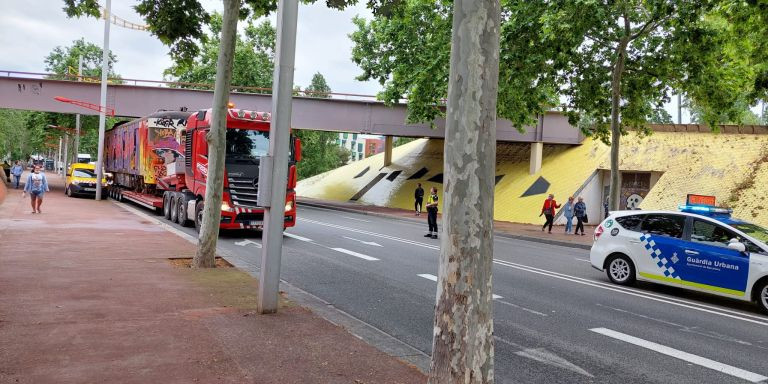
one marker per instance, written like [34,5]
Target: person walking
[568,213]
[580,211]
[16,171]
[548,210]
[418,196]
[432,213]
[37,186]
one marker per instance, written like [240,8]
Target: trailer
[161,162]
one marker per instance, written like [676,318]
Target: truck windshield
[245,144]
[753,230]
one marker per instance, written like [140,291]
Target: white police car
[700,248]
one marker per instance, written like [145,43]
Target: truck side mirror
[297,149]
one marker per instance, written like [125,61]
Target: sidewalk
[529,232]
[87,295]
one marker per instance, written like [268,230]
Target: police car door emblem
[608,223]
[614,232]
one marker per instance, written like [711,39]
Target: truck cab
[247,140]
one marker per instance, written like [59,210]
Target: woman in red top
[548,210]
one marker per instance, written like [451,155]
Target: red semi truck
[161,162]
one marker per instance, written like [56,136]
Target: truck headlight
[289,206]
[226,207]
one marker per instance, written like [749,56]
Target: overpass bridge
[340,113]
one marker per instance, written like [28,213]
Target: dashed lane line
[355,254]
[434,278]
[297,237]
[760,320]
[658,298]
[685,356]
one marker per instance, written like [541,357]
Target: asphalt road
[557,320]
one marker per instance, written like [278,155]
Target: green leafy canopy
[563,54]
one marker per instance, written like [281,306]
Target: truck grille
[243,191]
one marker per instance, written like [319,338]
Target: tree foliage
[64,60]
[254,56]
[320,152]
[318,87]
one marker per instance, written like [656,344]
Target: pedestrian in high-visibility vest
[432,213]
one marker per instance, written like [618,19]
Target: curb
[394,217]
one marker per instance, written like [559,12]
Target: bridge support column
[537,150]
[387,151]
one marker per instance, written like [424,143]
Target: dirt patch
[186,262]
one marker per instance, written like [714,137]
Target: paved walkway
[529,232]
[87,295]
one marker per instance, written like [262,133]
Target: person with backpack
[580,210]
[16,171]
[432,213]
[418,195]
[36,186]
[548,210]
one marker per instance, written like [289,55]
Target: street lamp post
[103,102]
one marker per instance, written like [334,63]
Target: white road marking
[297,237]
[523,308]
[544,356]
[434,278]
[580,259]
[364,242]
[685,356]
[632,292]
[355,254]
[356,219]
[246,242]
[593,283]
[406,241]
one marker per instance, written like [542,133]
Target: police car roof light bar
[705,209]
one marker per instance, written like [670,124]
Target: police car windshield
[753,230]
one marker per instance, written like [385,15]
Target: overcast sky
[30,29]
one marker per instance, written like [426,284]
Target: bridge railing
[177,84]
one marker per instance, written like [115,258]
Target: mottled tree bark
[614,192]
[462,349]
[205,257]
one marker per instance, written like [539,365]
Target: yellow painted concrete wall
[702,163]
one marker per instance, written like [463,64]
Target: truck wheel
[174,208]
[199,215]
[182,212]
[167,205]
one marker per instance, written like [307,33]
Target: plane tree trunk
[462,350]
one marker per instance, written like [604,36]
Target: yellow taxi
[81,180]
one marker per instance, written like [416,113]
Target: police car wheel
[620,270]
[762,297]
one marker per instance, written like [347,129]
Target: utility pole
[103,102]
[77,116]
[679,108]
[462,345]
[279,141]
[59,160]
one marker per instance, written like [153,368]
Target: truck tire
[174,207]
[199,215]
[167,205]
[182,212]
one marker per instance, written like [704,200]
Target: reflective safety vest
[432,199]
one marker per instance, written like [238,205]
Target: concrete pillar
[537,150]
[387,151]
